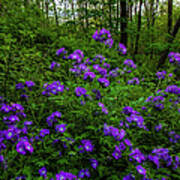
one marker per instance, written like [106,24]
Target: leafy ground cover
[85,115]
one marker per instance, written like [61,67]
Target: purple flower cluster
[84,173]
[76,55]
[113,73]
[129,110]
[44,132]
[104,110]
[130,63]
[87,146]
[89,75]
[98,94]
[53,88]
[100,58]
[65,176]
[161,75]
[158,127]
[23,146]
[61,128]
[174,89]
[94,163]
[159,155]
[61,51]
[106,65]
[21,178]
[129,177]
[156,101]
[138,119]
[115,132]
[137,155]
[43,172]
[105,82]
[52,118]
[117,153]
[109,42]
[28,84]
[15,110]
[53,65]
[103,36]
[173,137]
[80,91]
[141,170]
[135,80]
[122,49]
[79,69]
[174,57]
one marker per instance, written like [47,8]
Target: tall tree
[147,13]
[72,9]
[130,9]
[124,35]
[47,9]
[117,15]
[138,28]
[154,12]
[170,6]
[55,13]
[110,13]
[86,14]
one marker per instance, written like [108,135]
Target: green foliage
[28,46]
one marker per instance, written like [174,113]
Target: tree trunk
[164,55]
[72,8]
[154,13]
[47,9]
[123,23]
[138,28]
[117,15]
[110,15]
[170,3]
[147,14]
[103,23]
[55,13]
[86,12]
[130,9]
[135,8]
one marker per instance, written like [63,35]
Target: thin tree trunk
[43,7]
[164,55]
[72,8]
[102,10]
[86,12]
[110,15]
[151,10]
[55,13]
[147,14]
[170,3]
[130,9]
[65,9]
[138,28]
[47,9]
[135,8]
[154,13]
[123,23]
[117,15]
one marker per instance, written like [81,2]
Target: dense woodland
[89,89]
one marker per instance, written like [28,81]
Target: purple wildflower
[141,170]
[61,128]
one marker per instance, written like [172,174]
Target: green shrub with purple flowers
[84,115]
